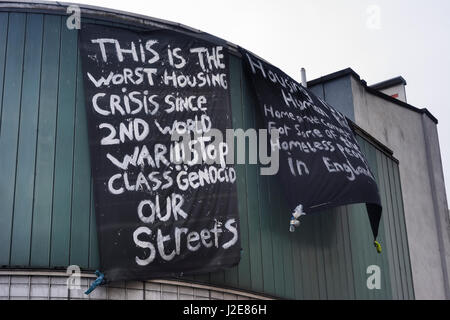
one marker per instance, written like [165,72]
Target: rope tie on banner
[377,245]
[294,223]
[97,282]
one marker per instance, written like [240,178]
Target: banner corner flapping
[320,159]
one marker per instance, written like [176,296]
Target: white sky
[412,39]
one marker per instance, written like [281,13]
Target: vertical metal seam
[406,293]
[271,234]
[369,237]
[91,195]
[388,233]
[258,182]
[385,259]
[293,266]
[54,146]
[406,235]
[89,220]
[245,168]
[316,258]
[338,264]
[37,139]
[351,251]
[4,70]
[348,273]
[240,228]
[75,114]
[73,152]
[246,196]
[323,258]
[395,230]
[400,240]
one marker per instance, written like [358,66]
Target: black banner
[159,216]
[320,161]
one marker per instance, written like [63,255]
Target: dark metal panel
[403,231]
[251,196]
[4,17]
[386,221]
[283,214]
[381,260]
[308,251]
[398,231]
[277,239]
[236,104]
[81,182]
[26,154]
[358,245]
[94,259]
[232,275]
[330,246]
[318,241]
[393,245]
[43,192]
[344,255]
[347,253]
[266,236]
[300,274]
[366,239]
[9,128]
[62,184]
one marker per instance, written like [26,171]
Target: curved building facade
[47,216]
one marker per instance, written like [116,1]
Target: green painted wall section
[47,218]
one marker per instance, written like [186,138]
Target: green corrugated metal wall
[46,203]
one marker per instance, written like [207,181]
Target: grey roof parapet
[389,83]
[370,89]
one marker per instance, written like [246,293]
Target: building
[47,218]
[411,133]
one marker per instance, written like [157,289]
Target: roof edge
[108,14]
[401,103]
[371,90]
[389,83]
[334,75]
